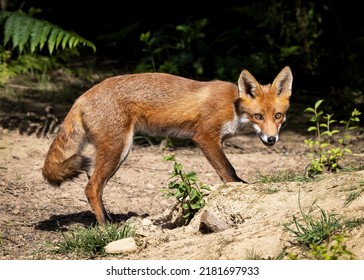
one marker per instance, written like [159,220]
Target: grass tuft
[283,176]
[309,231]
[91,241]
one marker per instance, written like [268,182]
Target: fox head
[265,106]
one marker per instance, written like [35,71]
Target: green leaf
[178,194]
[318,103]
[196,206]
[352,127]
[35,36]
[25,30]
[72,42]
[145,36]
[312,128]
[206,187]
[46,29]
[60,37]
[169,158]
[324,145]
[178,166]
[185,206]
[309,110]
[4,15]
[52,39]
[182,187]
[192,176]
[25,25]
[65,39]
[194,194]
[173,186]
[9,27]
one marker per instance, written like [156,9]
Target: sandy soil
[33,214]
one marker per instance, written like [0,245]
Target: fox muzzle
[268,140]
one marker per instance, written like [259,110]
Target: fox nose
[271,140]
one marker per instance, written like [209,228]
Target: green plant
[187,189]
[313,231]
[27,32]
[252,254]
[354,223]
[92,240]
[334,250]
[5,71]
[324,152]
[353,195]
[149,43]
[175,49]
[28,36]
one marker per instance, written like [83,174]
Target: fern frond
[23,30]
[46,29]
[36,35]
[4,15]
[65,40]
[59,38]
[24,26]
[52,39]
[9,27]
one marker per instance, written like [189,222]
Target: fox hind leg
[108,159]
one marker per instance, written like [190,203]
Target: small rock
[209,223]
[121,246]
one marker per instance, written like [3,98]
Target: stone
[121,246]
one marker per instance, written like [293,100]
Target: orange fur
[110,113]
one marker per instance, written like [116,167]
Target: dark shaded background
[240,34]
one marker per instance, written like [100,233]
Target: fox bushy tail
[64,160]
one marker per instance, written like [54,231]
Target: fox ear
[247,84]
[282,84]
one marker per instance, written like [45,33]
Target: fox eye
[278,116]
[258,117]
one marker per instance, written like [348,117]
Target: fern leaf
[4,15]
[22,29]
[65,40]
[9,28]
[89,44]
[52,39]
[60,37]
[35,35]
[76,41]
[25,25]
[46,29]
[72,42]
[16,37]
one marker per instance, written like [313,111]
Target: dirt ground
[33,214]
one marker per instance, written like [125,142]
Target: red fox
[110,113]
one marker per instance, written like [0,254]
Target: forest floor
[34,215]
